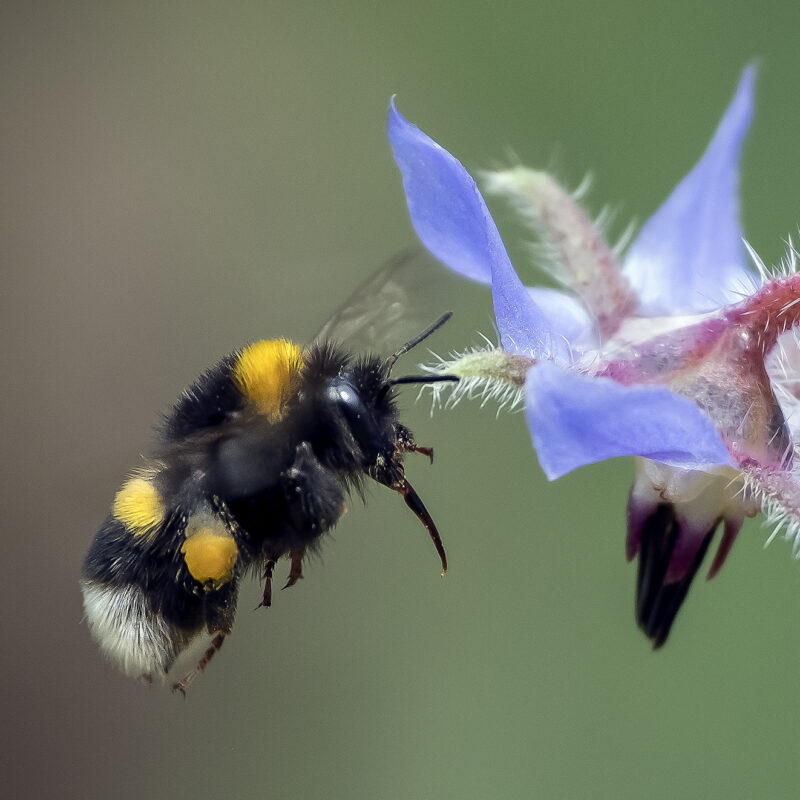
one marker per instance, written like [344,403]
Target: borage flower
[660,356]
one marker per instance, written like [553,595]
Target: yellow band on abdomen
[210,556]
[139,506]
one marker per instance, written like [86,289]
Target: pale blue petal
[451,218]
[566,317]
[689,257]
[576,420]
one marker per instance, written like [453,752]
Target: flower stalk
[574,251]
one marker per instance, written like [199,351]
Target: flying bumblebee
[253,463]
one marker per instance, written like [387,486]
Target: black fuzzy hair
[208,402]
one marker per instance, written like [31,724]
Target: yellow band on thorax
[266,373]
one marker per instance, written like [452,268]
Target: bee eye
[348,401]
[343,395]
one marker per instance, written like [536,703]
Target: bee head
[354,410]
[365,412]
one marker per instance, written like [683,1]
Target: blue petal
[451,218]
[576,420]
[566,316]
[688,257]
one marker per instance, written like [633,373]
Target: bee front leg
[425,451]
[315,499]
[405,442]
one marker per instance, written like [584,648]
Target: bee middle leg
[296,570]
[266,600]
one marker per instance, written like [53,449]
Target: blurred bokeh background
[177,179]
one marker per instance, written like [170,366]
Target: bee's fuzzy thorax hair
[204,404]
[367,373]
[322,361]
[266,373]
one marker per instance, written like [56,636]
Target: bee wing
[408,293]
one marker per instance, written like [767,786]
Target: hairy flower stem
[491,365]
[490,373]
[578,255]
[779,496]
[769,312]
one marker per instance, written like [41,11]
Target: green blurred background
[181,178]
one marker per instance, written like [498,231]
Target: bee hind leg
[186,681]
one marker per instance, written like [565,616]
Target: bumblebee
[254,463]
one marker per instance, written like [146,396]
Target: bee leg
[425,451]
[405,441]
[186,681]
[296,571]
[266,602]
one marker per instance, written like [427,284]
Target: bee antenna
[423,379]
[392,360]
[415,379]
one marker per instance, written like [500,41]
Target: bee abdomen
[129,632]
